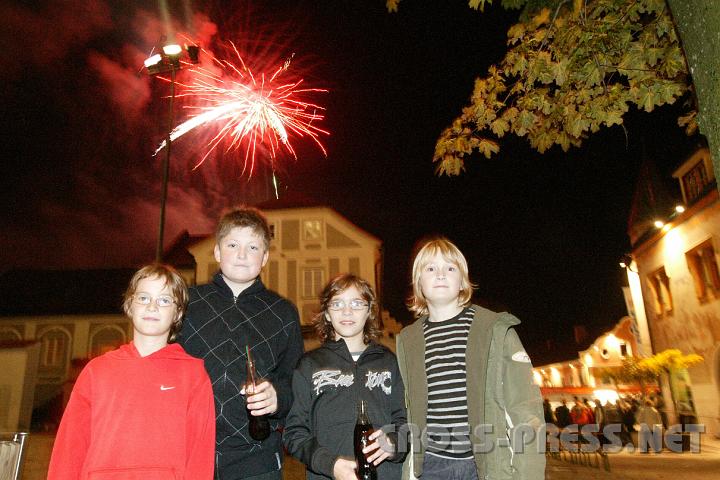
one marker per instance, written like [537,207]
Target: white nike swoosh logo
[163,388]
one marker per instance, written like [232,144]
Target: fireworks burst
[250,112]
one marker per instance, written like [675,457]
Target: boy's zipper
[508,431]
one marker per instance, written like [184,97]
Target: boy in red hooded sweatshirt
[143,411]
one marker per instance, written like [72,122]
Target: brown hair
[451,253]
[178,289]
[243,217]
[336,286]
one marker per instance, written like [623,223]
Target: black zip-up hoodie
[327,387]
[216,328]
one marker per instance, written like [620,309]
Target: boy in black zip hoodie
[330,381]
[232,312]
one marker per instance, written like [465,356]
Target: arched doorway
[105,339]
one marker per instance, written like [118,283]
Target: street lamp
[168,62]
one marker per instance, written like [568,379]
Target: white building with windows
[676,260]
[51,323]
[582,376]
[310,246]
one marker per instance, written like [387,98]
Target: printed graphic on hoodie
[379,379]
[334,378]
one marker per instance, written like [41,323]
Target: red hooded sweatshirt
[131,417]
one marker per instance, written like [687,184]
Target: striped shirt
[448,429]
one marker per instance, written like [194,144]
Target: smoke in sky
[42,36]
[81,187]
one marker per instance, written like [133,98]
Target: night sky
[80,189]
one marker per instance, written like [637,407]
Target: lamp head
[152,61]
[172,49]
[193,52]
[172,53]
[626,261]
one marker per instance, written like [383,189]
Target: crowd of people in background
[630,412]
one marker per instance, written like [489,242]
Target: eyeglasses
[162,301]
[355,304]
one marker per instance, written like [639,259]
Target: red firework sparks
[248,110]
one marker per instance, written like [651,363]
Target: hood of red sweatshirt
[128,351]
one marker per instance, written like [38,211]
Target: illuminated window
[704,269]
[660,286]
[54,349]
[312,282]
[695,182]
[312,230]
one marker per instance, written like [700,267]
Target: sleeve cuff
[323,462]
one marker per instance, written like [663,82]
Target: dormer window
[312,230]
[696,176]
[694,182]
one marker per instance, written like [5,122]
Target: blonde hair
[451,253]
[178,290]
[336,286]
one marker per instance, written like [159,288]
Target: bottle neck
[250,365]
[362,418]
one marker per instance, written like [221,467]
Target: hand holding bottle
[361,440]
[257,402]
[380,449]
[344,469]
[262,399]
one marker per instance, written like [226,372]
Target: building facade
[18,379]
[676,259]
[583,376]
[310,246]
[61,345]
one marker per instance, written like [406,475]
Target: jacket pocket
[133,473]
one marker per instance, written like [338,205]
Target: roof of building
[25,292]
[62,292]
[655,196]
[178,253]
[657,193]
[291,199]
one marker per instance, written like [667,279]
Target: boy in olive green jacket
[469,383]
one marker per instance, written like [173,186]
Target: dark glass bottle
[363,430]
[259,427]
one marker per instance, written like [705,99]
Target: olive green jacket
[503,401]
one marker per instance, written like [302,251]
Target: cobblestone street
[623,466]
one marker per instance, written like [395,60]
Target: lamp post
[168,62]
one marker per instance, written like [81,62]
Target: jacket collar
[341,348]
[225,290]
[171,351]
[491,318]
